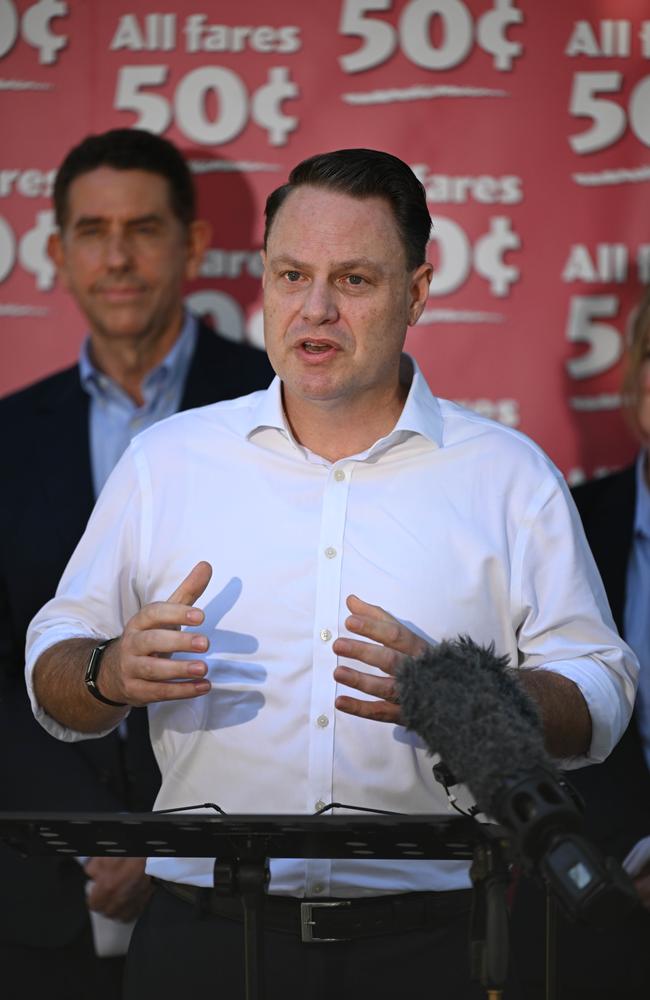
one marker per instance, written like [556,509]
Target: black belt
[335,919]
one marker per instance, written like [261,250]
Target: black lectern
[243,844]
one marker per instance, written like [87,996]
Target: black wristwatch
[92,673]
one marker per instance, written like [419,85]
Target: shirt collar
[642,512]
[420,415]
[174,363]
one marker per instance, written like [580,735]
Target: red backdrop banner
[527,122]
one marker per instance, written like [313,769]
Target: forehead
[324,225]
[116,194]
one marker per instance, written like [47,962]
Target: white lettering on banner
[28,183]
[8,27]
[225,313]
[506,411]
[227,316]
[483,189]
[643,263]
[263,106]
[380,39]
[32,250]
[610,120]
[578,475]
[158,32]
[202,37]
[34,28]
[644,38]
[231,263]
[610,264]
[456,256]
[604,342]
[611,38]
[7,249]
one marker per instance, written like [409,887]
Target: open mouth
[317,346]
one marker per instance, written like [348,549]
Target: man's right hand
[137,669]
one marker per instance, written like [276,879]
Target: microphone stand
[489,932]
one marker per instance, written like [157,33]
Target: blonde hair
[639,343]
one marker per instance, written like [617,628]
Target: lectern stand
[243,844]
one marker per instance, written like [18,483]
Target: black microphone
[468,706]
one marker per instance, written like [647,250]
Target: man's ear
[419,291]
[199,234]
[56,253]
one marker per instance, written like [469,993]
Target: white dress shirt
[453,523]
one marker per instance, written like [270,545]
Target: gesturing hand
[137,668]
[391,642]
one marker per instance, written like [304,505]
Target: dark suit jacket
[616,795]
[46,497]
[616,792]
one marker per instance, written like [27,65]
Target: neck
[128,360]
[335,432]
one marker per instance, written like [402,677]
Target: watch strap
[92,673]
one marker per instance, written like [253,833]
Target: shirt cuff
[607,708]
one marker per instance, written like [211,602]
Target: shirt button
[325,634]
[319,805]
[339,475]
[322,721]
[318,888]
[330,552]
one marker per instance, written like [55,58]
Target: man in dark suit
[127,240]
[595,964]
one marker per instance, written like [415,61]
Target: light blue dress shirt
[114,418]
[637,602]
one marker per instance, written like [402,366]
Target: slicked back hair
[365,173]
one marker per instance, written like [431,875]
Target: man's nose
[117,251]
[319,305]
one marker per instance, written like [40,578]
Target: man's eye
[292,275]
[355,279]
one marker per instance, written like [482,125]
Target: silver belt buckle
[307,921]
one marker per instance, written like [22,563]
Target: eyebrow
[93,220]
[342,265]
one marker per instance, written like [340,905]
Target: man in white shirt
[346,477]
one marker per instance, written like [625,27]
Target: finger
[154,669]
[158,641]
[380,626]
[378,687]
[146,692]
[193,585]
[162,614]
[371,653]
[359,607]
[379,711]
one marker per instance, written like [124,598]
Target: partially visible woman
[615,512]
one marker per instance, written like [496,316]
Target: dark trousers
[177,951]
[593,963]
[65,972]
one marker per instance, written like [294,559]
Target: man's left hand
[120,887]
[391,642]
